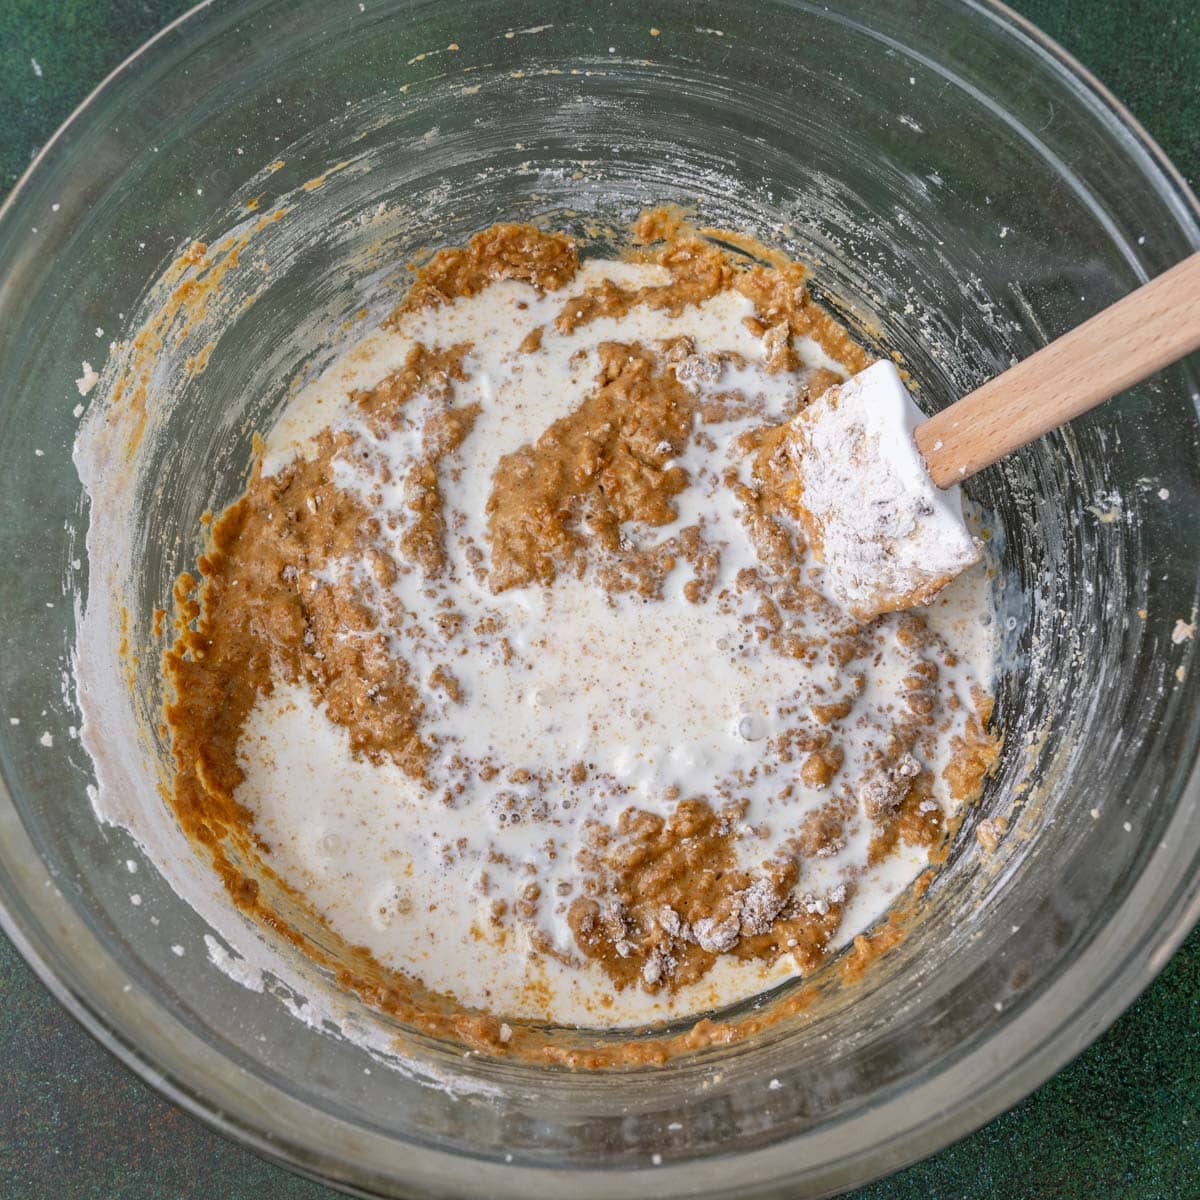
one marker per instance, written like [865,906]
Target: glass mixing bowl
[964,193]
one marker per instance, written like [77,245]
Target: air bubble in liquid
[751,727]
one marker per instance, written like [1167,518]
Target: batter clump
[513,664]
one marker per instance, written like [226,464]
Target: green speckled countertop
[1122,1122]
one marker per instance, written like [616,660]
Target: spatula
[879,481]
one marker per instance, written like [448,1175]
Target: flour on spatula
[889,537]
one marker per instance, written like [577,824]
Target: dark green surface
[1123,1121]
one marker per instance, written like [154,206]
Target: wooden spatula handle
[1141,334]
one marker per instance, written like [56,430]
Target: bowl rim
[1050,1048]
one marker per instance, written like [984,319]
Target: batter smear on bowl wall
[513,665]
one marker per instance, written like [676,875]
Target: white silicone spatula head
[879,482]
[889,537]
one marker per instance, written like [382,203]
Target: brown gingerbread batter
[657,900]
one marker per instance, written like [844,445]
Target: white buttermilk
[654,695]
